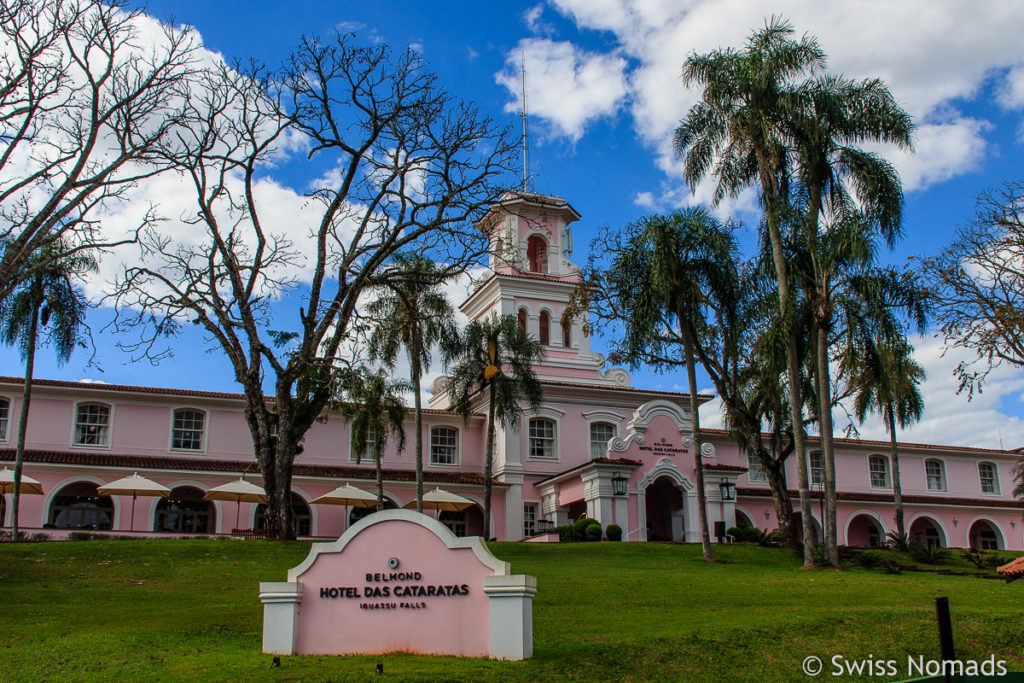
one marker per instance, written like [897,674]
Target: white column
[510,600]
[280,616]
[513,506]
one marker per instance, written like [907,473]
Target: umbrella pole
[238,509]
[133,511]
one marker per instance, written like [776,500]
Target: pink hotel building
[597,445]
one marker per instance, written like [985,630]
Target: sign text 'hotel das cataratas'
[400,581]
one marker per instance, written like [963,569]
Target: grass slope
[188,610]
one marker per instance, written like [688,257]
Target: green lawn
[189,611]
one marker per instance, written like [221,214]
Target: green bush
[744,533]
[580,527]
[932,554]
[594,532]
[614,532]
[898,541]
[566,534]
[868,559]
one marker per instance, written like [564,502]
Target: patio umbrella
[348,495]
[439,499]
[135,486]
[239,491]
[28,484]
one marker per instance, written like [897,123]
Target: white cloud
[932,55]
[566,86]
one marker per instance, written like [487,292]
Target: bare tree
[977,285]
[84,105]
[404,167]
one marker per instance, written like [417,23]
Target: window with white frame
[755,470]
[187,432]
[600,434]
[444,444]
[92,424]
[935,473]
[368,446]
[542,438]
[987,474]
[5,411]
[879,469]
[817,469]
[529,519]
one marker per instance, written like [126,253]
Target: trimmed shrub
[614,532]
[580,527]
[594,532]
[566,534]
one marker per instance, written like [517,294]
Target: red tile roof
[1014,569]
[147,462]
[886,444]
[725,468]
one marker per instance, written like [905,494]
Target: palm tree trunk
[792,355]
[416,372]
[829,525]
[897,488]
[489,465]
[776,476]
[26,400]
[702,500]
[380,479]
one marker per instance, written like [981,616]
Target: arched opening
[664,507]
[80,506]
[537,254]
[185,511]
[743,520]
[468,522]
[545,328]
[927,531]
[300,516]
[566,331]
[356,514]
[798,524]
[864,531]
[985,536]
[522,319]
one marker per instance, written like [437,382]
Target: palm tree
[854,189]
[666,275]
[495,359]
[738,133]
[416,314]
[373,406]
[51,300]
[886,380]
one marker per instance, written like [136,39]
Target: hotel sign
[400,581]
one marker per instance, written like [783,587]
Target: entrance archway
[984,535]
[864,531]
[185,511]
[301,517]
[80,506]
[798,524]
[664,508]
[927,531]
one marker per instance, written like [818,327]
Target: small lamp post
[619,484]
[728,489]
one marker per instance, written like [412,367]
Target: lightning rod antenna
[526,149]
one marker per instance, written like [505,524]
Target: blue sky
[604,95]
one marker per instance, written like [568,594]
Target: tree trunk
[26,400]
[416,372]
[780,500]
[829,525]
[897,488]
[792,353]
[380,478]
[702,502]
[489,465]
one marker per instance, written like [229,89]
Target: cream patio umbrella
[134,486]
[239,491]
[349,496]
[28,484]
[439,499]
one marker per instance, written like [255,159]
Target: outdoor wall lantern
[619,484]
[727,490]
[956,521]
[767,514]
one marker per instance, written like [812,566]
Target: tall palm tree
[840,183]
[666,275]
[413,313]
[495,359]
[738,133]
[886,380]
[49,299]
[373,406]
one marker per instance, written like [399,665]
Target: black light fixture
[727,488]
[619,484]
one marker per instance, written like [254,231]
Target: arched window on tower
[566,331]
[522,319]
[537,254]
[545,328]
